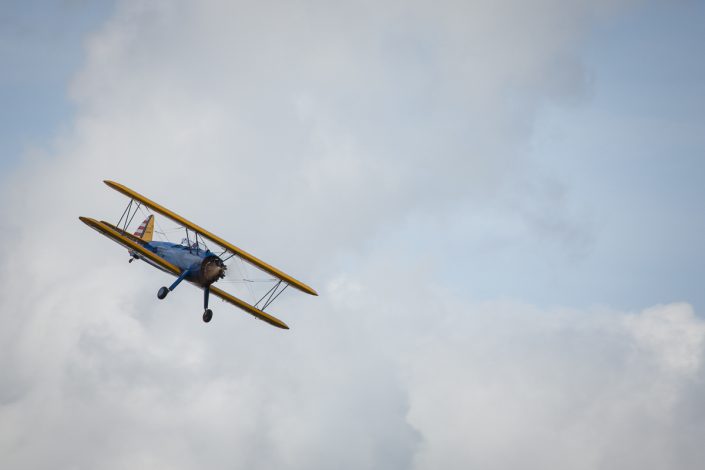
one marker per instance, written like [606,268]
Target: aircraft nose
[213,269]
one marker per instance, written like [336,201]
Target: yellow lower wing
[127,240]
[110,232]
[249,308]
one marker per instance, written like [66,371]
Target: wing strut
[271,295]
[128,215]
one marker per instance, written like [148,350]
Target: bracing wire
[251,281]
[241,272]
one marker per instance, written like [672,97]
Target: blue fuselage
[204,267]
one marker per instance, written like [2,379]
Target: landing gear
[207,315]
[163,291]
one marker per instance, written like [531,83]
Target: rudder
[146,229]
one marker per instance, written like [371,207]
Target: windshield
[194,245]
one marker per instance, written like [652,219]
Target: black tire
[207,315]
[163,291]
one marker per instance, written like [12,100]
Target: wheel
[163,291]
[207,315]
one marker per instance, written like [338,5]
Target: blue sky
[633,152]
[41,48]
[500,204]
[626,159]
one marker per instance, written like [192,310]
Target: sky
[499,204]
[41,49]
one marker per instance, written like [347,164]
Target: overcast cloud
[317,135]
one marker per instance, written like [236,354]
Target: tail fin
[146,229]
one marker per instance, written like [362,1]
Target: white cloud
[565,389]
[364,110]
[670,335]
[374,375]
[302,131]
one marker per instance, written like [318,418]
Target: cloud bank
[308,132]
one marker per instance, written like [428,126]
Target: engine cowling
[212,269]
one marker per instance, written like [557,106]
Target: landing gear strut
[164,291]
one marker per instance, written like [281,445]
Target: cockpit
[188,244]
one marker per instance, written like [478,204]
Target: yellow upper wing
[214,238]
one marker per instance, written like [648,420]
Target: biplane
[191,260]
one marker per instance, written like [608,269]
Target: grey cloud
[300,131]
[374,375]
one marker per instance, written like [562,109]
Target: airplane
[191,260]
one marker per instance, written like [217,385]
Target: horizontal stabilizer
[128,235]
